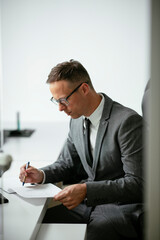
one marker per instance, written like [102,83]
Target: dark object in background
[19,133]
[15,133]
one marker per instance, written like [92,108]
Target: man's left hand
[72,195]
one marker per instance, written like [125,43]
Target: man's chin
[73,116]
[68,113]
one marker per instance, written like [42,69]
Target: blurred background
[109,37]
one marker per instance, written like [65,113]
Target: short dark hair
[71,71]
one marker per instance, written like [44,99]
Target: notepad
[12,185]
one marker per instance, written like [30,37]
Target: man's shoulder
[116,109]
[124,110]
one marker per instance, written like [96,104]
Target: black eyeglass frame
[64,100]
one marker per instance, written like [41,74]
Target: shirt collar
[97,114]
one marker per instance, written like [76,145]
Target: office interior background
[111,38]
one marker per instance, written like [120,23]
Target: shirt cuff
[44,177]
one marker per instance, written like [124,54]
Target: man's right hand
[32,174]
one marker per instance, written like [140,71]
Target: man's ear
[85,88]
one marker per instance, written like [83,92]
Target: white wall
[1,86]
[109,37]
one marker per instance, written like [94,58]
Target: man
[106,170]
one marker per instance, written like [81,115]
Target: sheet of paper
[38,191]
[8,184]
[12,185]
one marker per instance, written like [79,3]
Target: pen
[27,166]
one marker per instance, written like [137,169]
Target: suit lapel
[79,138]
[100,135]
[102,130]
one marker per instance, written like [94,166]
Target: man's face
[61,89]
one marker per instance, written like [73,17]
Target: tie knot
[87,122]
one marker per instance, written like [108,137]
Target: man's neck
[93,103]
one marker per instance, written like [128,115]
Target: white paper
[8,184]
[30,191]
[38,191]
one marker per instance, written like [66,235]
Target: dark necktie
[87,142]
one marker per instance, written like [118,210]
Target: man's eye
[63,101]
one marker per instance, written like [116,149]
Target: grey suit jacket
[116,174]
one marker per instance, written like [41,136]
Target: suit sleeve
[127,188]
[68,167]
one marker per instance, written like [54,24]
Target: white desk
[22,220]
[22,217]
[62,232]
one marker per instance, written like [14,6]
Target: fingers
[25,174]
[60,196]
[69,206]
[72,196]
[67,202]
[66,199]
[23,177]
[31,174]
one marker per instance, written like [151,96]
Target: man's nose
[61,107]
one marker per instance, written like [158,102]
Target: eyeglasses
[64,101]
